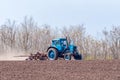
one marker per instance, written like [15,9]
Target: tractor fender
[51,47]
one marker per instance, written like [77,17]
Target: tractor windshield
[55,42]
[64,42]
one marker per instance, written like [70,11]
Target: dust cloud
[12,55]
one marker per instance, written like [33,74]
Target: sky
[95,15]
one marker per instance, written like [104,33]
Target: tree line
[30,37]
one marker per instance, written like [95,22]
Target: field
[60,70]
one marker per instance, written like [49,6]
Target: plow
[37,56]
[59,48]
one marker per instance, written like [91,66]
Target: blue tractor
[62,48]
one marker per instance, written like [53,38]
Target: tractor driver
[63,43]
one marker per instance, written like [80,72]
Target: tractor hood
[72,48]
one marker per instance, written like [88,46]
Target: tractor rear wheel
[52,54]
[67,56]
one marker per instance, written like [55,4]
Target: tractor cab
[60,44]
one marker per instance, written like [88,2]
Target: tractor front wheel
[67,56]
[52,54]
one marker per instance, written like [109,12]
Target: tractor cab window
[64,43]
[56,42]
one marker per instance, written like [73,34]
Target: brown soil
[60,70]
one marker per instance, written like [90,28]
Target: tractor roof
[60,39]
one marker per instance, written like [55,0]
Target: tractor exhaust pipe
[68,41]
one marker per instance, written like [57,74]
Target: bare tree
[24,34]
[8,34]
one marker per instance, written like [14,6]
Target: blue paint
[63,46]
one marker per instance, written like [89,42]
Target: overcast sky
[94,14]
